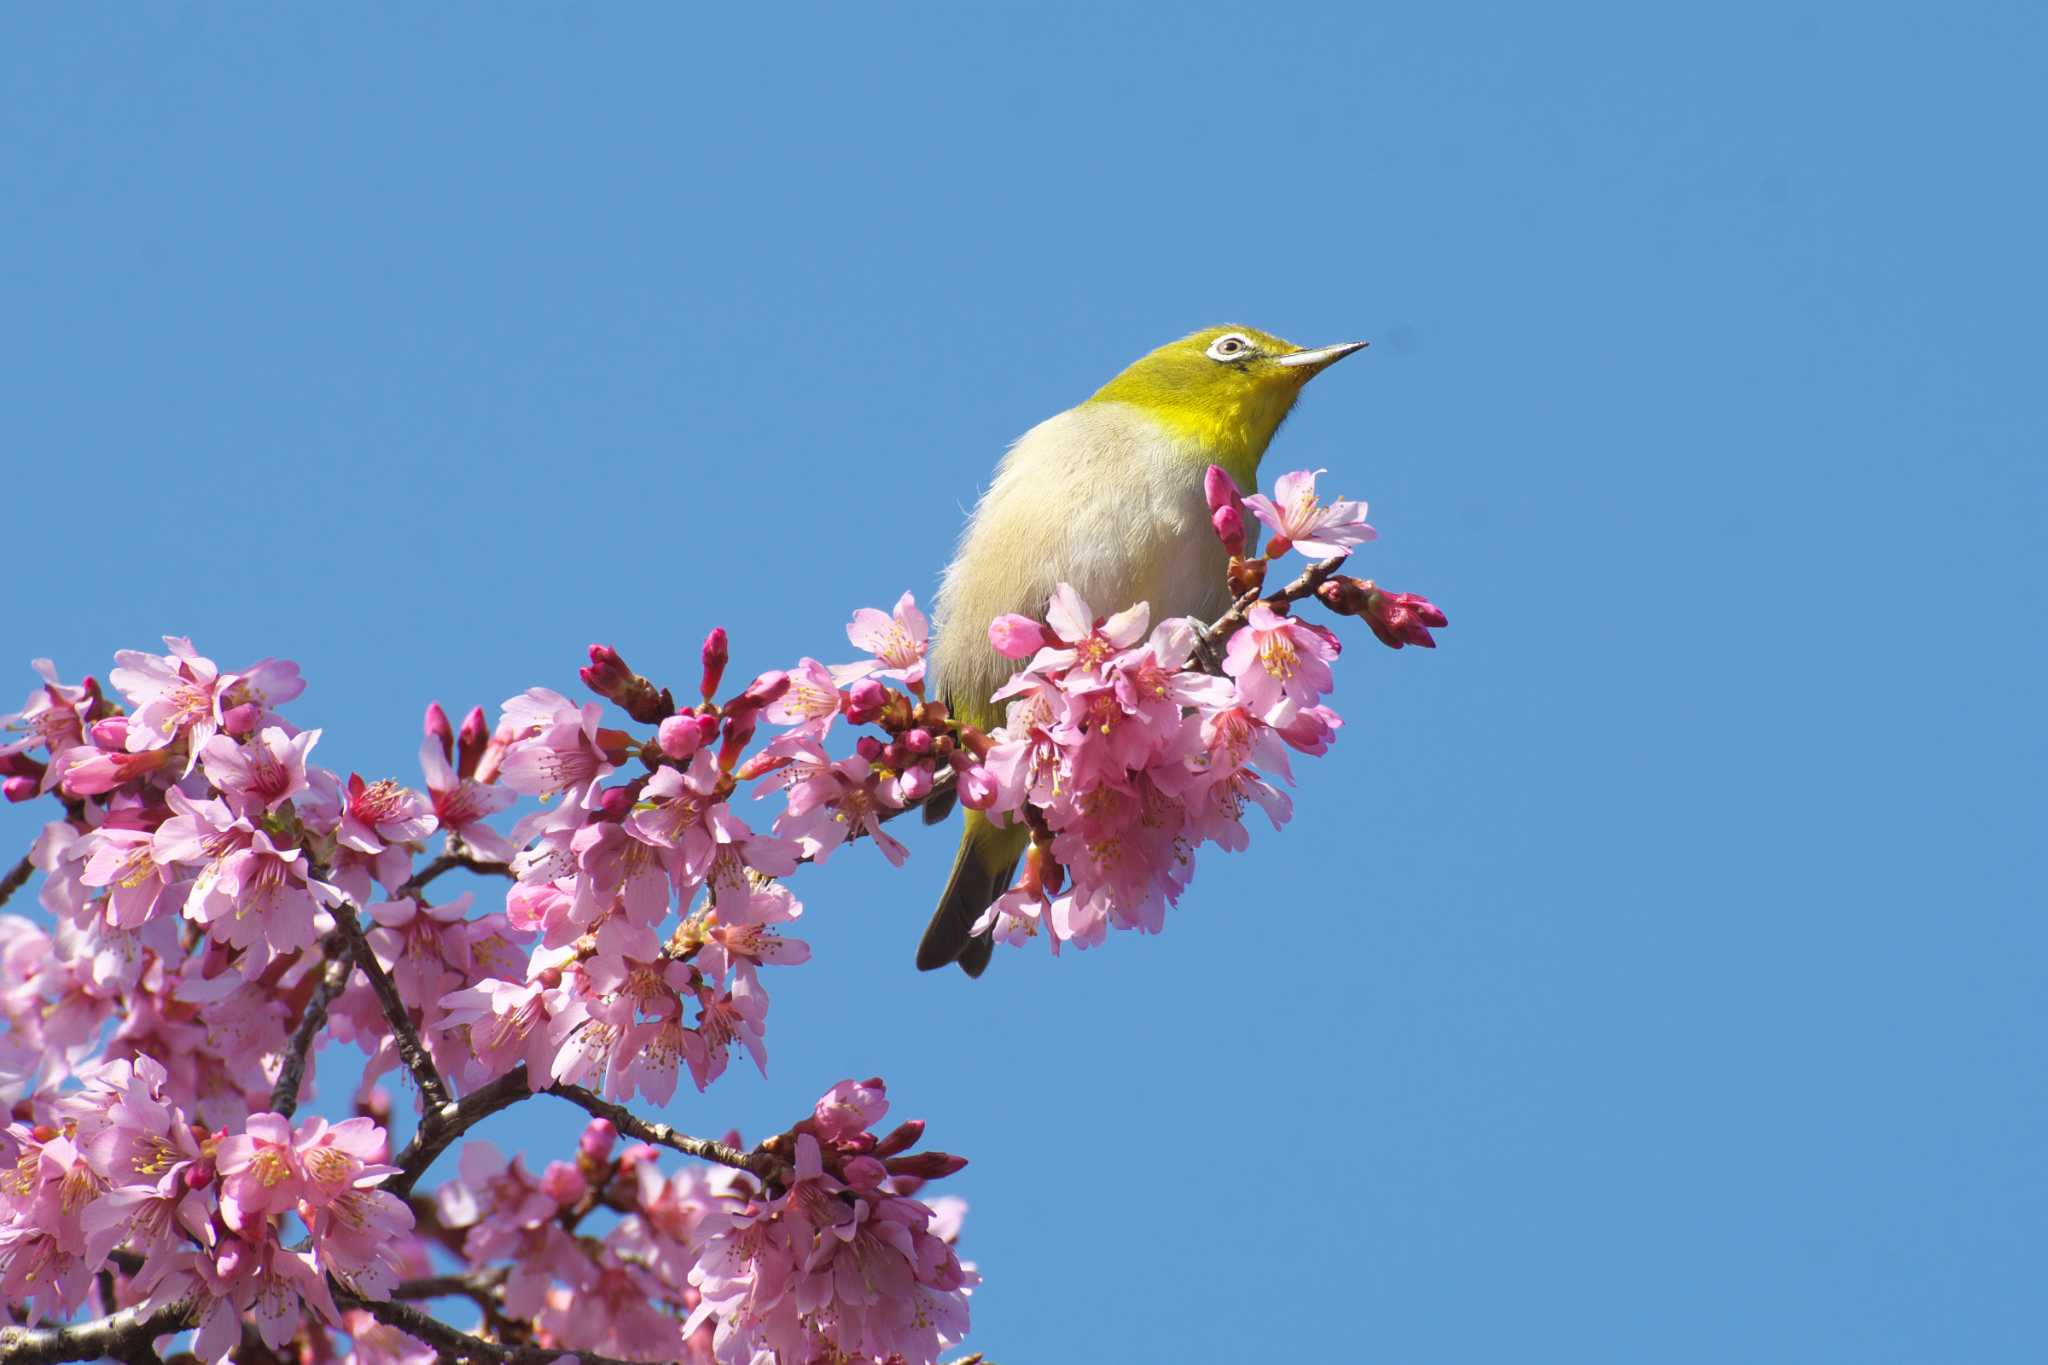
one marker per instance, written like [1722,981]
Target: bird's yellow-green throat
[1225,390]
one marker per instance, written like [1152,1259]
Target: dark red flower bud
[868,747]
[926,1165]
[475,734]
[1344,595]
[19,789]
[739,728]
[1403,618]
[765,690]
[901,1138]
[715,655]
[610,677]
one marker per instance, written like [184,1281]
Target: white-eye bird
[1108,497]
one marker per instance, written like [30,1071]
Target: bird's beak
[1317,359]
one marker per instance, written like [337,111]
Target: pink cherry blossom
[176,694]
[1293,514]
[1281,665]
[262,774]
[896,641]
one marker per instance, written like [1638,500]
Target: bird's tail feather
[981,872]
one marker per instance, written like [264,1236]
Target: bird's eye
[1230,346]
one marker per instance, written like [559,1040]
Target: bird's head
[1227,389]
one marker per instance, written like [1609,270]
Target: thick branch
[285,1098]
[433,1090]
[459,1346]
[439,1128]
[117,1334]
[16,878]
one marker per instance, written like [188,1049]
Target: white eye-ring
[1229,346]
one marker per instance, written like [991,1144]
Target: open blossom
[260,897]
[1084,648]
[461,803]
[830,802]
[260,1172]
[812,701]
[1281,665]
[1294,514]
[556,749]
[173,695]
[896,641]
[262,773]
[124,861]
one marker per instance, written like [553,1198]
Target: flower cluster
[219,908]
[118,1163]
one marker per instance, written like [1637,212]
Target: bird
[1108,497]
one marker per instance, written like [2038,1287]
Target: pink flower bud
[609,677]
[679,736]
[1229,526]
[918,741]
[916,783]
[739,728]
[1016,637]
[1219,489]
[596,1142]
[977,788]
[199,1175]
[19,789]
[865,1173]
[1403,618]
[241,720]
[865,700]
[111,734]
[563,1183]
[765,690]
[475,734]
[437,728]
[614,803]
[715,655]
[868,747]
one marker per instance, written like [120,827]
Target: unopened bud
[475,734]
[680,736]
[715,654]
[614,804]
[765,690]
[599,1135]
[563,1183]
[865,700]
[901,1138]
[977,788]
[1403,618]
[868,747]
[19,789]
[916,783]
[918,741]
[609,676]
[1219,489]
[739,728]
[1228,523]
[926,1165]
[111,734]
[241,720]
[439,730]
[199,1175]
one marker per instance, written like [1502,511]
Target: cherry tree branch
[285,1098]
[433,1090]
[16,878]
[459,1345]
[1218,632]
[117,1334]
[761,1165]
[455,857]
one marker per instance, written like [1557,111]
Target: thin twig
[1218,633]
[433,1090]
[448,862]
[760,1164]
[16,878]
[113,1335]
[285,1098]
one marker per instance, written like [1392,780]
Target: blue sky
[1653,973]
